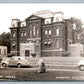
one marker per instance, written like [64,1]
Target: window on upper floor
[30,33]
[13,25]
[57,19]
[14,34]
[23,25]
[46,32]
[47,20]
[57,31]
[34,30]
[37,32]
[49,32]
[22,34]
[25,34]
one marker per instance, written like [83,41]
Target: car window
[12,59]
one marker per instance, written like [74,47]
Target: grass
[31,75]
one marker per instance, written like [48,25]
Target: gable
[33,17]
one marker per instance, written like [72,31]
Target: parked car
[81,65]
[15,61]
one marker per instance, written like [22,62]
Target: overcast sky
[22,11]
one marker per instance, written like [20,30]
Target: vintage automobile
[15,61]
[81,65]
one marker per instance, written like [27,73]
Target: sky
[22,11]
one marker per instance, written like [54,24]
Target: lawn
[30,74]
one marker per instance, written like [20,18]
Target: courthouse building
[44,33]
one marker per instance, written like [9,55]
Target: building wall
[70,34]
[52,49]
[33,48]
[3,51]
[51,37]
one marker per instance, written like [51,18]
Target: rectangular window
[4,51]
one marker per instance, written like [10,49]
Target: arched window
[34,30]
[57,43]
[37,32]
[30,33]
[14,34]
[30,30]
[57,31]
[24,34]
[50,32]
[46,32]
[49,43]
[45,43]
[14,45]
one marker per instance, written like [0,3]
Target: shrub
[11,54]
[65,54]
[33,54]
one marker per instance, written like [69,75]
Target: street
[30,74]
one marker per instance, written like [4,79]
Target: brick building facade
[44,33]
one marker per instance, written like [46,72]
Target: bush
[34,54]
[65,54]
[11,54]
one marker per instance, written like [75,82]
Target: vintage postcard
[41,42]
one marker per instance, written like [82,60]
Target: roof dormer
[15,23]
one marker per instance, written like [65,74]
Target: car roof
[18,57]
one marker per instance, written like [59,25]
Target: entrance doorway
[27,53]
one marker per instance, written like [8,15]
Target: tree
[81,39]
[5,40]
[78,23]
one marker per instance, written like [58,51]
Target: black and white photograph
[41,42]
